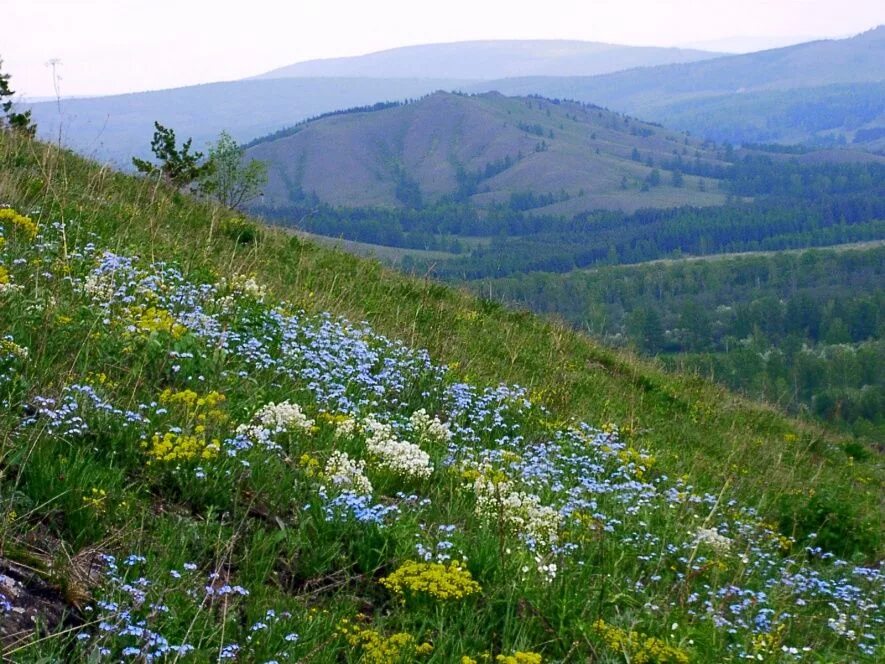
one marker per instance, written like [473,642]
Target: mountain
[118,127]
[487,148]
[492,59]
[697,94]
[223,443]
[722,97]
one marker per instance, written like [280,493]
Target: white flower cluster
[348,474]
[398,456]
[241,284]
[283,416]
[522,512]
[272,419]
[346,428]
[100,287]
[719,543]
[9,287]
[429,429]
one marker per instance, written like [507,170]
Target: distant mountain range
[484,60]
[550,157]
[827,92]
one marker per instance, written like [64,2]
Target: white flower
[720,543]
[522,512]
[285,416]
[398,456]
[348,474]
[429,429]
[346,428]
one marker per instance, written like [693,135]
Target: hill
[788,94]
[562,157]
[492,59]
[194,465]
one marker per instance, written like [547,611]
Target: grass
[158,478]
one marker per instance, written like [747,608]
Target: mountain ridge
[484,59]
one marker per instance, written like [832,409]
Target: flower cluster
[379,649]
[711,537]
[347,474]
[639,648]
[284,416]
[9,218]
[523,513]
[174,447]
[452,581]
[400,457]
[429,429]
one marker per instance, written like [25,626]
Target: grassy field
[200,461]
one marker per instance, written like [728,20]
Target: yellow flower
[28,228]
[440,581]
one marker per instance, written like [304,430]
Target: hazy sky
[108,46]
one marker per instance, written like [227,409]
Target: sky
[114,46]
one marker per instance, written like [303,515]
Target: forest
[802,329]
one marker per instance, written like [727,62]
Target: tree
[18,122]
[230,180]
[179,167]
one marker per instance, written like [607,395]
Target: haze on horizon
[108,46]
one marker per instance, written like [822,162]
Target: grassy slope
[693,425]
[784,467]
[352,159]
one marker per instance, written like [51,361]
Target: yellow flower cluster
[4,273]
[639,648]
[8,216]
[380,649]
[154,319]
[180,447]
[204,408]
[440,581]
[519,657]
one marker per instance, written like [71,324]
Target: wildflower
[171,447]
[283,416]
[521,512]
[400,457]
[711,537]
[348,474]
[437,580]
[429,429]
[380,649]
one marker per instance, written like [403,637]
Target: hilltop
[477,60]
[201,458]
[484,149]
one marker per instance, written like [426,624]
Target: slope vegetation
[202,462]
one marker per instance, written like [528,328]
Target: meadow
[219,442]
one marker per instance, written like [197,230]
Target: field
[222,442]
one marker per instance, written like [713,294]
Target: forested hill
[560,157]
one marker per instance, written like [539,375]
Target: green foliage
[228,179]
[178,166]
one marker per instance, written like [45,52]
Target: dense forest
[803,329]
[775,204]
